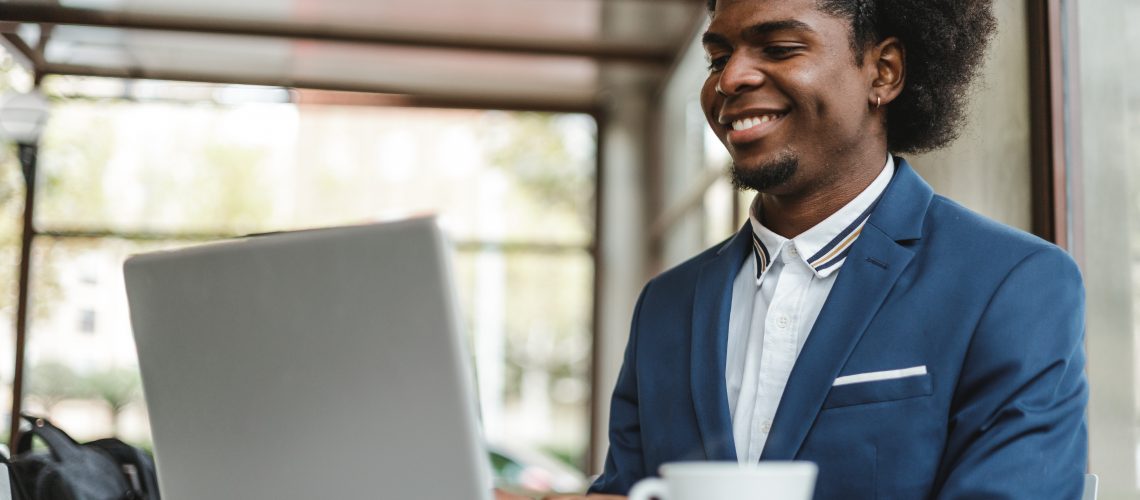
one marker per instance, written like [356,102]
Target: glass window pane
[177,167]
[82,371]
[530,316]
[515,189]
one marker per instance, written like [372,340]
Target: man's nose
[739,76]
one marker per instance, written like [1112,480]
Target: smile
[756,121]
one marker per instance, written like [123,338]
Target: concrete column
[622,251]
[681,141]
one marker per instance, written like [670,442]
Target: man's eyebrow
[773,26]
[710,38]
[758,30]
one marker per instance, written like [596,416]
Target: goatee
[767,175]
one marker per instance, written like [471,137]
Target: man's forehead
[736,16]
[765,5]
[761,10]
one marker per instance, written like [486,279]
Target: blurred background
[560,141]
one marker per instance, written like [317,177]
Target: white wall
[987,168]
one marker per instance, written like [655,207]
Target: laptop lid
[314,364]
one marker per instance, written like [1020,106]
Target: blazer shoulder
[980,238]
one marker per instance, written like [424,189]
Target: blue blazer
[996,315]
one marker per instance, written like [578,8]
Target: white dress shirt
[776,298]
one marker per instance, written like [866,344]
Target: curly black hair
[945,41]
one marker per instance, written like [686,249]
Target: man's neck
[789,215]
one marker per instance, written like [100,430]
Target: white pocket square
[913,371]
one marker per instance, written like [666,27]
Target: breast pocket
[879,391]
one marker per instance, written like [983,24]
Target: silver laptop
[313,364]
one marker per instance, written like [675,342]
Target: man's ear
[888,65]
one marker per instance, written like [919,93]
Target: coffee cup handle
[649,488]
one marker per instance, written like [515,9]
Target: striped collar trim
[828,242]
[835,252]
[760,252]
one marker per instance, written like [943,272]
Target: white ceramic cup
[729,481]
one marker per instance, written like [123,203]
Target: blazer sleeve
[624,461]
[1017,424]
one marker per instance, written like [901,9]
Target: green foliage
[11,197]
[119,387]
[75,152]
[534,151]
[52,382]
[11,212]
[575,458]
[554,171]
[229,180]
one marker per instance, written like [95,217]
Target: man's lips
[751,127]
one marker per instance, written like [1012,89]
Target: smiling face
[787,98]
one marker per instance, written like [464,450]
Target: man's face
[784,94]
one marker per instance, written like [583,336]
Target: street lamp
[22,119]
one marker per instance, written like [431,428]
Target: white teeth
[747,123]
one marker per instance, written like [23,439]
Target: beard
[767,175]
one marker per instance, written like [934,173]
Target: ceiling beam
[597,50]
[27,56]
[381,95]
[21,48]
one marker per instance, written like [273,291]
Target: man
[909,347]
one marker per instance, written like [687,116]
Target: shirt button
[792,250]
[782,322]
[766,427]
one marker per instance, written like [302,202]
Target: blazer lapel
[876,261]
[712,303]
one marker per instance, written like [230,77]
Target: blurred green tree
[117,386]
[51,382]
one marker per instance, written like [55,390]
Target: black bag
[107,469]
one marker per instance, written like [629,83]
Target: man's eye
[781,51]
[718,63]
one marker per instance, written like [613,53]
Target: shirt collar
[823,247]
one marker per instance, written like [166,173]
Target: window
[87,321]
[514,190]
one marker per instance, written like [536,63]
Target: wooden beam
[21,50]
[598,50]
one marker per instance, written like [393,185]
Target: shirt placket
[780,345]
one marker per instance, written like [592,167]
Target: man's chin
[765,175]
